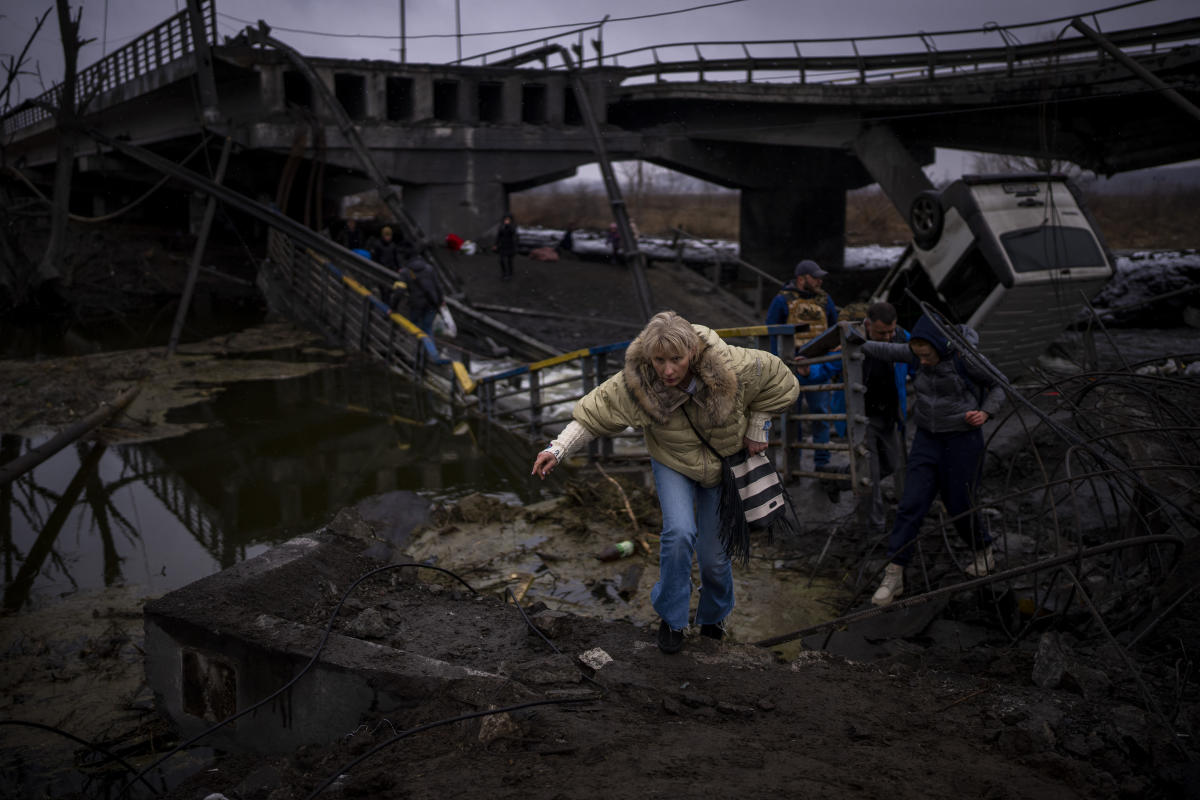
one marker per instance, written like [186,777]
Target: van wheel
[925,217]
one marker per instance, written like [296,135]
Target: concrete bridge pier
[801,213]
[468,210]
[793,199]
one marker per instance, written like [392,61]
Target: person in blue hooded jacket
[886,404]
[953,399]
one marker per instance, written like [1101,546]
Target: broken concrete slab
[218,646]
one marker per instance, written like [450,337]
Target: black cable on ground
[311,662]
[90,745]
[508,592]
[430,725]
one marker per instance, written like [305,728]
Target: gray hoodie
[942,395]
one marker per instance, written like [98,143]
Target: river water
[274,459]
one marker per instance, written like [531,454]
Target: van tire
[925,217]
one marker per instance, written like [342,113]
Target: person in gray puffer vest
[953,400]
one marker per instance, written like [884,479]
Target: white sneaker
[983,563]
[891,587]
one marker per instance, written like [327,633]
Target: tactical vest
[807,310]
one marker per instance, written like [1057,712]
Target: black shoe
[833,489]
[713,631]
[669,640]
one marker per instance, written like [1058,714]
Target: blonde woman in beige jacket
[676,376]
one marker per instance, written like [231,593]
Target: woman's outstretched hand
[544,464]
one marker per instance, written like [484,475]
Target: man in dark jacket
[953,400]
[351,237]
[424,295]
[506,246]
[386,251]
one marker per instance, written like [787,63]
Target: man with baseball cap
[803,301]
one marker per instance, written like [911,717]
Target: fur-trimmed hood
[713,367]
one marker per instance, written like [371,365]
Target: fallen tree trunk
[22,464]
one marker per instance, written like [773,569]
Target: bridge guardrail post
[364,324]
[535,403]
[855,393]
[862,67]
[344,326]
[390,356]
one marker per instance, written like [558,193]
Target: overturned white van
[1013,256]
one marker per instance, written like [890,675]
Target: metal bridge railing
[335,293]
[818,61]
[163,44]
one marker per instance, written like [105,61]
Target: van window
[1051,247]
[968,284]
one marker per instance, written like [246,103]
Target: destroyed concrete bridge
[459,138]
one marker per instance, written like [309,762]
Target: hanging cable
[327,34]
[107,217]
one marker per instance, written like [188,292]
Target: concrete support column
[270,85]
[376,90]
[326,77]
[803,218]
[422,100]
[468,101]
[555,102]
[512,101]
[465,209]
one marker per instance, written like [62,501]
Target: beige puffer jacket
[734,382]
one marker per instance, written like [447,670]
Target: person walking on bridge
[681,382]
[506,246]
[803,301]
[425,297]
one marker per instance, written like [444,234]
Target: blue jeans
[818,403]
[939,463]
[690,524]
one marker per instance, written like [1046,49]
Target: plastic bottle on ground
[616,551]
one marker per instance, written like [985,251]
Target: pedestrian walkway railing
[164,44]
[817,61]
[339,293]
[926,55]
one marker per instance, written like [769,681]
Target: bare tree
[1006,163]
[16,269]
[50,269]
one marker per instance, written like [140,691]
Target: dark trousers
[506,265]
[939,463]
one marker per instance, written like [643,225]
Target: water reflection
[276,458]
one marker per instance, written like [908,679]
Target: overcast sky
[371,29]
